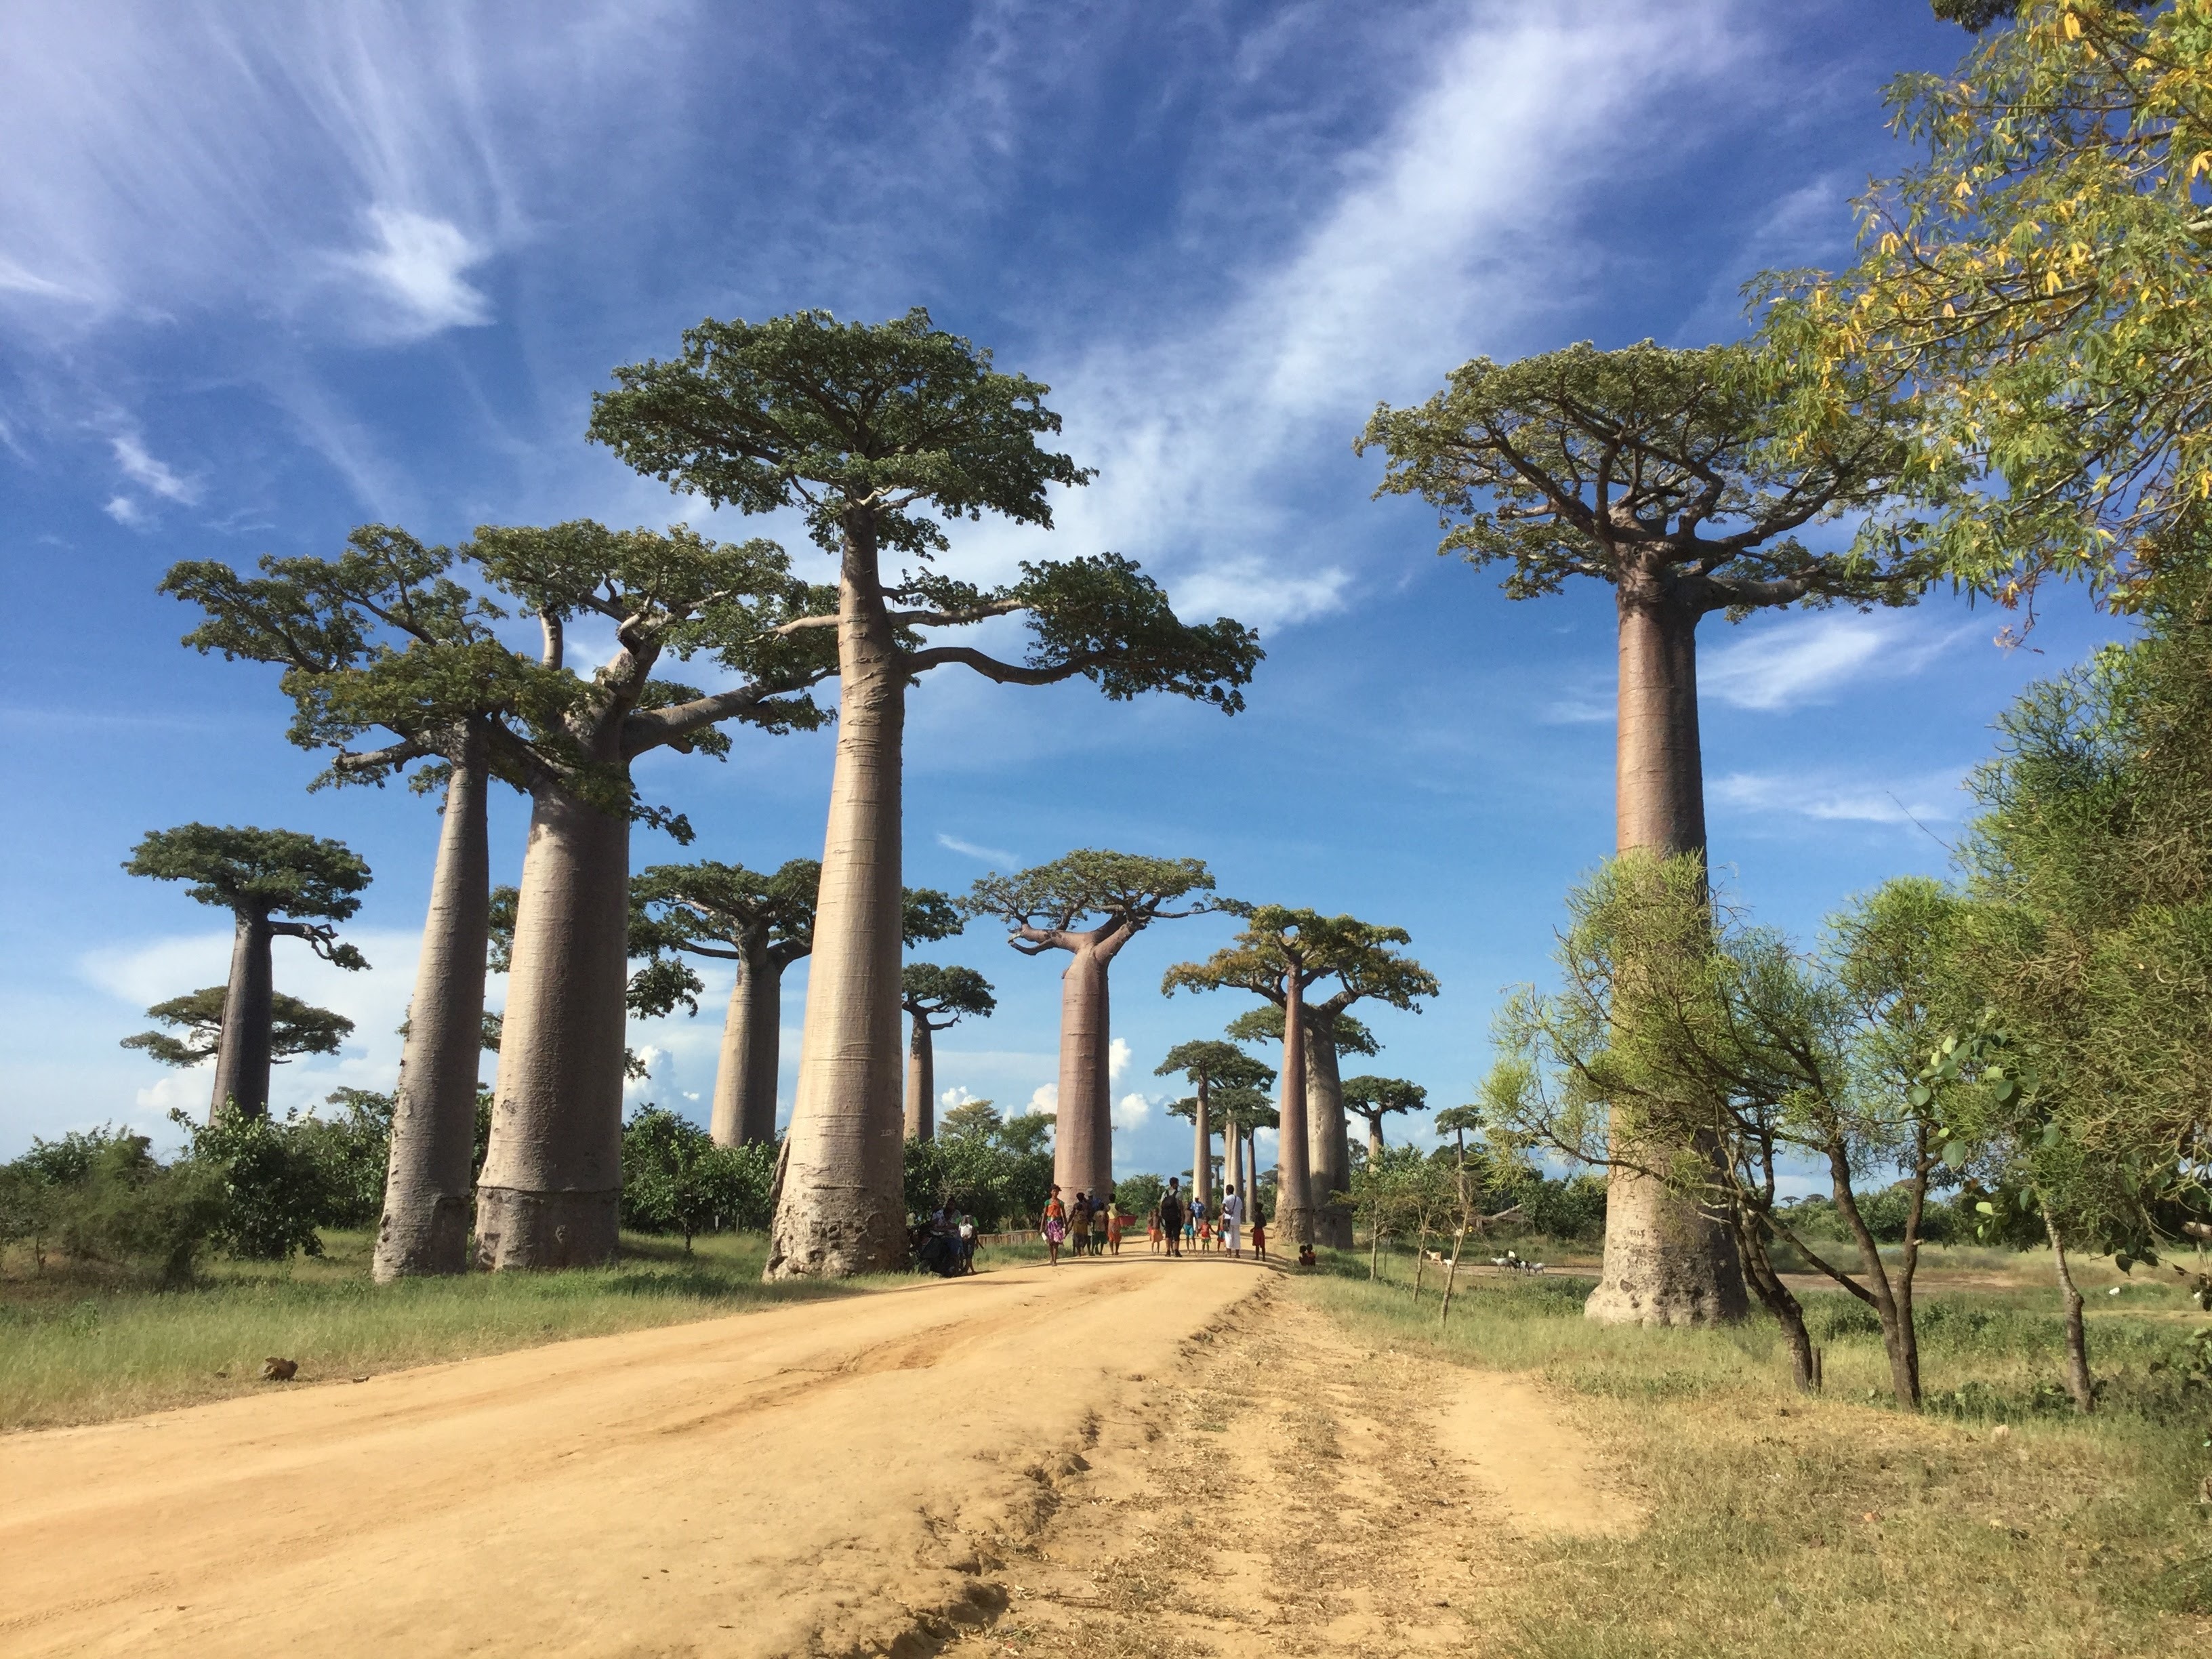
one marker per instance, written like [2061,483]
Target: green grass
[1780,1523]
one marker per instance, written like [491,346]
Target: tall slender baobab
[268,880]
[1376,1097]
[1331,1033]
[1210,1064]
[551,1179]
[869,430]
[1119,895]
[1674,476]
[762,923]
[1281,954]
[384,637]
[1244,1113]
[935,1000]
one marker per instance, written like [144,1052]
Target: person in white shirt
[1232,1219]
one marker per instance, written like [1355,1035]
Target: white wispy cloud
[412,276]
[141,469]
[1792,661]
[126,513]
[970,850]
[1928,798]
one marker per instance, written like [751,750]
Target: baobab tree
[1280,955]
[1244,1111]
[1376,1097]
[1089,904]
[869,430]
[762,923]
[295,1028]
[383,637]
[1682,478]
[275,884]
[935,1000]
[1210,1064]
[1331,1034]
[551,1181]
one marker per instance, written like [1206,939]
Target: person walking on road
[1079,1224]
[1172,1216]
[1115,1221]
[1054,1224]
[1259,1234]
[1232,1217]
[1098,1208]
[1152,1229]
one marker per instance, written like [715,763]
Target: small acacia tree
[1210,1065]
[269,880]
[295,1028]
[1376,1097]
[935,1000]
[1681,479]
[1281,954]
[1119,895]
[763,924]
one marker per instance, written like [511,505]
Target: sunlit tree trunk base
[1328,1149]
[842,1209]
[526,1230]
[552,1178]
[425,1224]
[1665,1263]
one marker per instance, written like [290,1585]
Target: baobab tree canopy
[1265,1024]
[295,1028]
[258,876]
[1213,1065]
[1376,1097]
[876,433]
[1648,467]
[944,995]
[1089,904]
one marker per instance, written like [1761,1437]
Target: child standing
[1259,1235]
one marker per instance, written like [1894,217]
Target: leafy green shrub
[1137,1194]
[128,1210]
[998,1170]
[1570,1209]
[276,1192]
[352,1147]
[676,1180]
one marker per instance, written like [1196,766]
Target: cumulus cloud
[126,513]
[1045,1101]
[1132,1112]
[1117,1058]
[1793,660]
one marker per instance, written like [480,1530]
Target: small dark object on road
[279,1370]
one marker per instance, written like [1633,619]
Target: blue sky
[261,281]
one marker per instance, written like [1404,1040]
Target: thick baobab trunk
[1329,1150]
[1294,1213]
[921,1082]
[249,1005]
[425,1226]
[551,1184]
[744,1081]
[842,1209]
[1666,1262]
[1233,1149]
[1082,1134]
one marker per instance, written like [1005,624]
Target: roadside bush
[126,1209]
[1572,1209]
[275,1191]
[1137,1194]
[676,1180]
[998,1170]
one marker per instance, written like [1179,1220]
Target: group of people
[946,1243]
[1174,1222]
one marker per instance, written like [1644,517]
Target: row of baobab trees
[1680,479]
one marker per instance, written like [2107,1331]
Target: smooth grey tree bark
[752,1043]
[424,1228]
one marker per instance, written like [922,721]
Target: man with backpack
[1171,1215]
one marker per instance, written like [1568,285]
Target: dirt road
[863,1476]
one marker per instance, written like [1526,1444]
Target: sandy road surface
[831,1478]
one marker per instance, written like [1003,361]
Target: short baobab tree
[1331,1034]
[1376,1097]
[1210,1064]
[1089,904]
[1281,955]
[763,924]
[935,1000]
[1679,479]
[875,432]
[295,1028]
[275,884]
